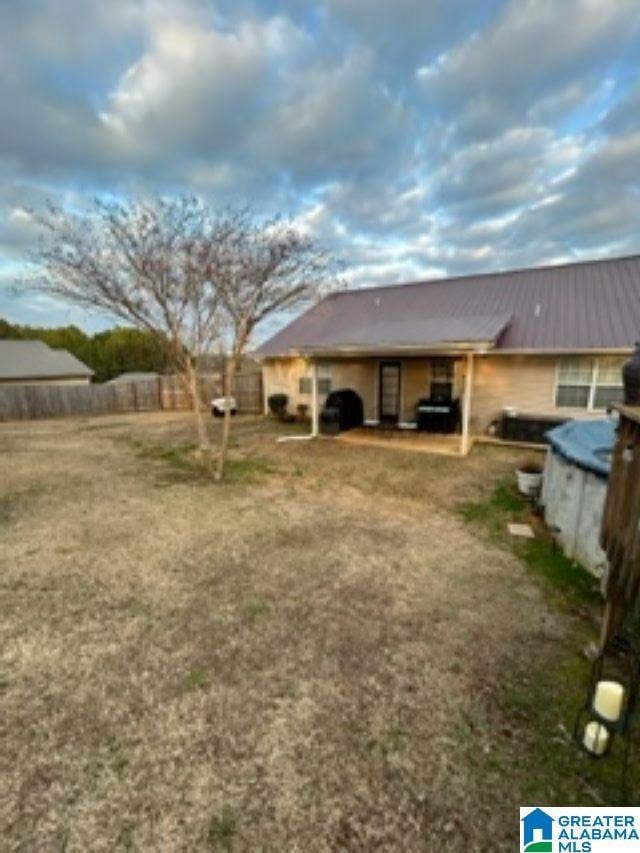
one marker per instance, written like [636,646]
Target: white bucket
[529,483]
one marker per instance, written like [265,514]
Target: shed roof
[592,305]
[35,360]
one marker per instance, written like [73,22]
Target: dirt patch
[312,656]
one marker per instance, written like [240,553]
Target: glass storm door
[389,391]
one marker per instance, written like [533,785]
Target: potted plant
[529,477]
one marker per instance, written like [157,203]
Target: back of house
[540,343]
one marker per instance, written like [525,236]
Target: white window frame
[593,384]
[325,372]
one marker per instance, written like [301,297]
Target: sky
[412,138]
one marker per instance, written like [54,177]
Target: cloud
[412,138]
[334,121]
[513,170]
[197,89]
[599,205]
[406,33]
[535,51]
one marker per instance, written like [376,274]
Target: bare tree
[147,263]
[260,268]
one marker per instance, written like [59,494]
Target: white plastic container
[529,482]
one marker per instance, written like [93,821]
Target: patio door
[389,391]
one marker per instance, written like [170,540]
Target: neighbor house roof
[35,360]
[134,376]
[580,306]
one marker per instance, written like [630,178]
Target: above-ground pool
[575,486]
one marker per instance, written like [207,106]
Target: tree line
[108,353]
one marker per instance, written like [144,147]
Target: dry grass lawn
[319,655]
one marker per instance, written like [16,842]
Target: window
[586,383]
[608,381]
[442,378]
[574,383]
[305,383]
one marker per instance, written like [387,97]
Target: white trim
[407,425]
[594,385]
[315,414]
[370,422]
[452,350]
[265,393]
[465,445]
[376,395]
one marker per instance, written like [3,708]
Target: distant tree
[145,262]
[107,353]
[70,338]
[122,350]
[259,268]
[8,330]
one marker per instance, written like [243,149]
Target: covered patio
[405,439]
[407,374]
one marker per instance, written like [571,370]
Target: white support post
[466,405]
[265,390]
[315,415]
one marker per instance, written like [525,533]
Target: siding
[282,376]
[416,375]
[526,383]
[362,376]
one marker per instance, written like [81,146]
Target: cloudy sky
[415,138]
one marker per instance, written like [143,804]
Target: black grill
[438,414]
[343,409]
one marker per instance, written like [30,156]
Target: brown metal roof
[580,306]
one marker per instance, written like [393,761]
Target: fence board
[31,402]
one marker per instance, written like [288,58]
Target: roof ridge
[488,274]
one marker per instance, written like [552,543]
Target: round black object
[631,379]
[330,421]
[349,406]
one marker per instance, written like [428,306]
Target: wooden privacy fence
[620,532]
[28,402]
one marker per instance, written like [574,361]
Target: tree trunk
[229,372]
[204,442]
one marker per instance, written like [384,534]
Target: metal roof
[35,360]
[134,376]
[417,332]
[581,306]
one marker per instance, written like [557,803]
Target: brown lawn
[319,655]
